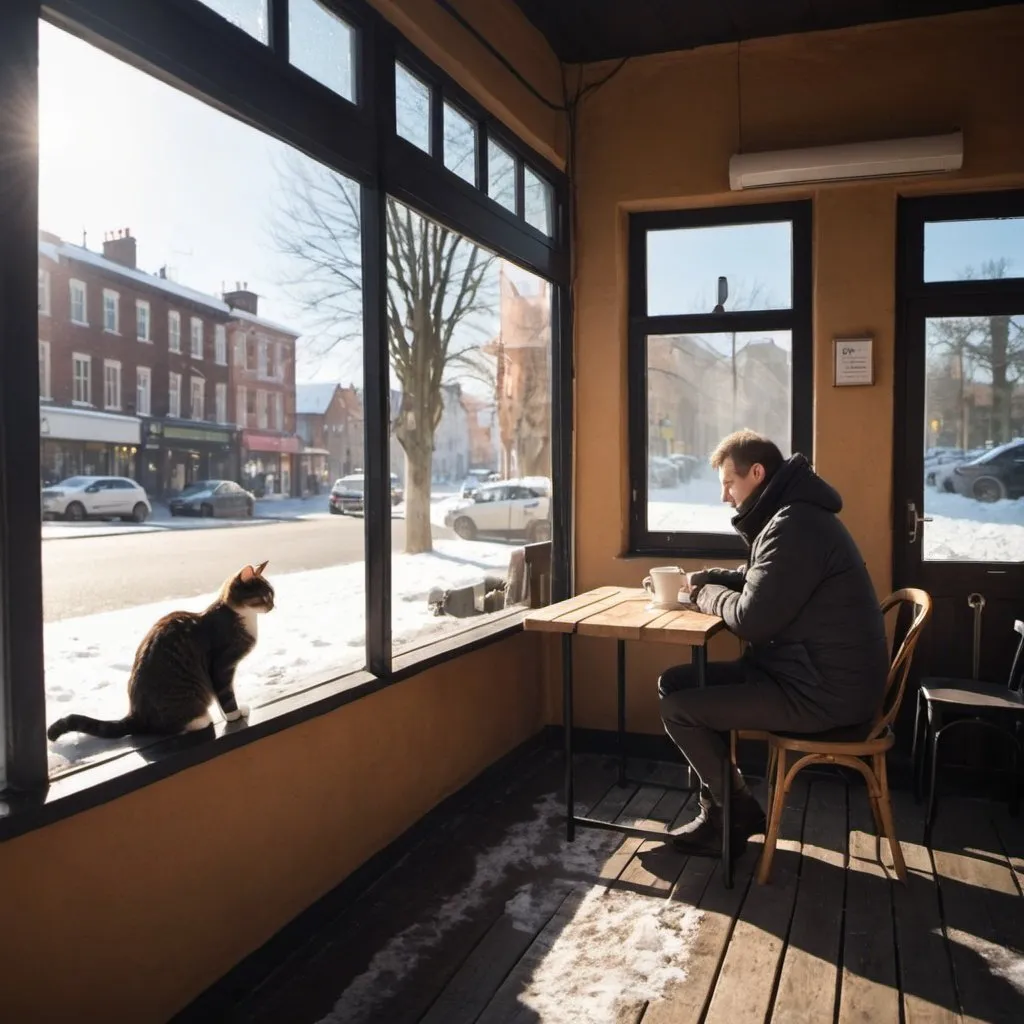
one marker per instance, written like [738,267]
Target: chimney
[119,247]
[243,299]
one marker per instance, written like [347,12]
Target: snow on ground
[316,631]
[694,507]
[617,945]
[963,529]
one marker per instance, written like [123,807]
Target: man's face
[735,488]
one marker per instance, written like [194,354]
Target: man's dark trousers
[737,696]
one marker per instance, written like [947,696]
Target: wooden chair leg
[888,825]
[764,868]
[877,814]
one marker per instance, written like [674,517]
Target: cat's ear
[248,574]
[259,568]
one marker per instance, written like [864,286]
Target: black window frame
[797,319]
[191,47]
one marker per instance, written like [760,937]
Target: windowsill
[112,408]
[144,341]
[82,405]
[107,330]
[79,789]
[80,323]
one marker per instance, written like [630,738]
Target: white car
[99,497]
[506,509]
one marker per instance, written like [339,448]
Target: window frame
[220,402]
[797,319]
[143,305]
[193,323]
[191,47]
[220,344]
[174,317]
[77,359]
[118,405]
[74,285]
[45,285]
[111,293]
[45,378]
[193,380]
[148,372]
[174,412]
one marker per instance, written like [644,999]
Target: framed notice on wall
[853,362]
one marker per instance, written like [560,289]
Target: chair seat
[840,740]
[971,694]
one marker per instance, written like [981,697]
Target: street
[106,573]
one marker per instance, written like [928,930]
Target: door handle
[914,521]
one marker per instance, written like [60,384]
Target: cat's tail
[107,730]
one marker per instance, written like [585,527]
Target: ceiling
[580,31]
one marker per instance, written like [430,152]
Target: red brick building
[135,370]
[330,421]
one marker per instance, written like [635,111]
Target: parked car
[992,475]
[347,494]
[507,509]
[661,472]
[214,498]
[96,497]
[475,480]
[686,466]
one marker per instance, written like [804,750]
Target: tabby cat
[186,661]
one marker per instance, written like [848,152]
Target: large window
[284,145]
[471,440]
[719,340]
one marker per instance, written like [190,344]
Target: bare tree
[992,347]
[437,289]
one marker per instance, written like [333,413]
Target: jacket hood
[794,483]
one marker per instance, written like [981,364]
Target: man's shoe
[702,837]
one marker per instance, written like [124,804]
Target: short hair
[745,447]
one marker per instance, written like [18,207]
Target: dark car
[346,495]
[213,498]
[993,475]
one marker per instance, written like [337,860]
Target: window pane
[974,452]
[701,387]
[323,46]
[412,108]
[248,15]
[501,175]
[684,265]
[459,144]
[293,221]
[457,527]
[538,201]
[984,250]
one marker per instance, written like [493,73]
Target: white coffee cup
[664,585]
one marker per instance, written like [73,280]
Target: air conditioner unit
[927,155]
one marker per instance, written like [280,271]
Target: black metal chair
[949,703]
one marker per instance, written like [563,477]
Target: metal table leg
[570,806]
[621,739]
[700,663]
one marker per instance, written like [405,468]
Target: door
[959,517]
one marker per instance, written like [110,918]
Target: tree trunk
[1002,389]
[419,470]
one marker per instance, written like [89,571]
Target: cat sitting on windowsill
[185,662]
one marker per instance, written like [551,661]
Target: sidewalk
[161,520]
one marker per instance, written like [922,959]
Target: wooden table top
[622,614]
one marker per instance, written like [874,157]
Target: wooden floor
[495,919]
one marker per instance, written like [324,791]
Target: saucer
[672,606]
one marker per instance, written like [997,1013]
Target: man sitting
[816,655]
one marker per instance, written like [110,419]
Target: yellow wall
[128,911]
[659,136]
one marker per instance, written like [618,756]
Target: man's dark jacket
[804,602]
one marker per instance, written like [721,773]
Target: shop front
[267,464]
[81,442]
[176,455]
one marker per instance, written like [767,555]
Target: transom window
[720,339]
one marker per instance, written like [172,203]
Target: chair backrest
[903,653]
[1017,668]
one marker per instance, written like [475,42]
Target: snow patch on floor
[316,631]
[619,947]
[1004,963]
[617,943]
